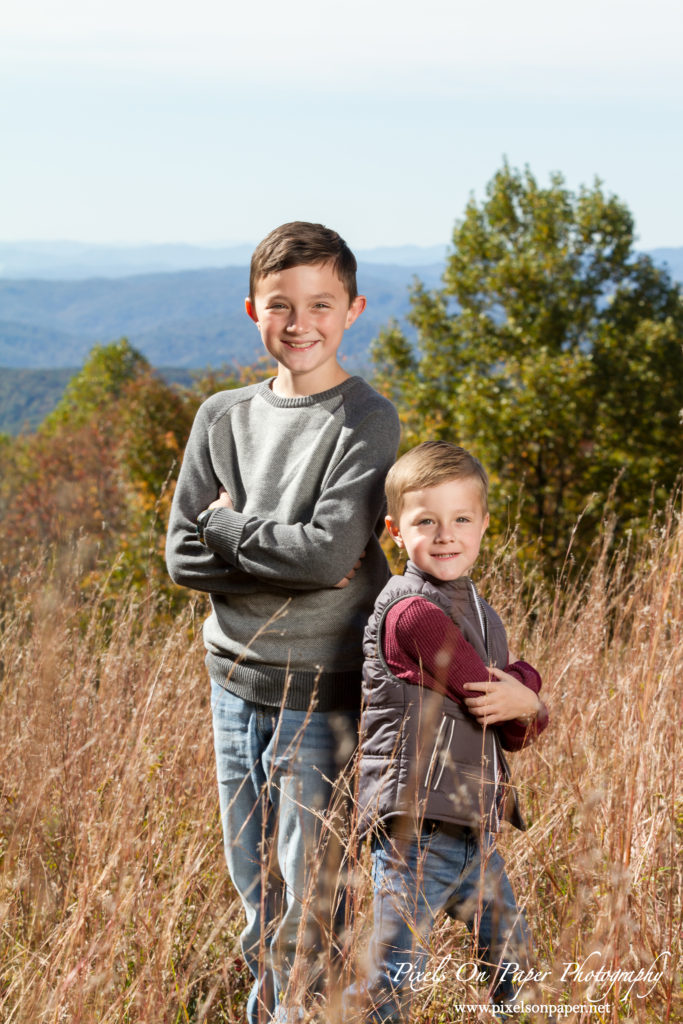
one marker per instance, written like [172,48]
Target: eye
[276,305]
[425,522]
[321,305]
[463,519]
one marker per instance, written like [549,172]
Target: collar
[449,586]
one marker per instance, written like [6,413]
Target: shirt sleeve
[300,556]
[423,646]
[517,733]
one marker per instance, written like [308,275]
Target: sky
[154,121]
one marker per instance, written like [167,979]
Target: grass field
[114,901]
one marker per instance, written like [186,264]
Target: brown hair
[299,243]
[430,464]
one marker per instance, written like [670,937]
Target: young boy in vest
[440,700]
[279,497]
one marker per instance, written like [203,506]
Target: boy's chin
[446,569]
[447,577]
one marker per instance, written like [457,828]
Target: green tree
[98,474]
[553,351]
[102,381]
[97,477]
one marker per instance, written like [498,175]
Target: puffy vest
[422,755]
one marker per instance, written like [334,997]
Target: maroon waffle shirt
[423,646]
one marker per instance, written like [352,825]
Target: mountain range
[74,261]
[191,318]
[57,300]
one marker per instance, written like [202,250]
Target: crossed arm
[225,501]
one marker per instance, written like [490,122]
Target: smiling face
[302,313]
[441,527]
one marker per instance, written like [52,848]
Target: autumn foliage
[95,481]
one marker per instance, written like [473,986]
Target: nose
[298,322]
[444,534]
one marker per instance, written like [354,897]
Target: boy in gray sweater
[276,515]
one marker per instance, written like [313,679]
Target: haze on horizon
[158,123]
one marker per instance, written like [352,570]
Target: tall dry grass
[114,901]
[114,905]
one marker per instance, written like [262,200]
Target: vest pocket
[458,775]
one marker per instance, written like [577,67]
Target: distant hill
[23,345]
[77,261]
[27,396]
[187,319]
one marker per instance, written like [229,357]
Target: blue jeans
[415,877]
[276,770]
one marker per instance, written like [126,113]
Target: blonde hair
[430,464]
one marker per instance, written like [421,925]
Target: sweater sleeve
[423,646]
[301,556]
[190,563]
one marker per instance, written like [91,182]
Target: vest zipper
[483,621]
[484,625]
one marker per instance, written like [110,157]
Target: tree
[96,479]
[98,473]
[553,351]
[102,381]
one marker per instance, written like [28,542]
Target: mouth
[299,345]
[445,556]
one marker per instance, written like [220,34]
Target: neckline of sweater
[266,391]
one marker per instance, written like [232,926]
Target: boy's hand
[501,700]
[350,574]
[223,500]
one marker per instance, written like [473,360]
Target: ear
[485,525]
[355,310]
[393,529]
[251,310]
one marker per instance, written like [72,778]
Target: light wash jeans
[276,770]
[415,877]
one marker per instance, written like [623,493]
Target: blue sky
[154,121]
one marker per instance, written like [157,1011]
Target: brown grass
[114,901]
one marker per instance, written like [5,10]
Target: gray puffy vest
[422,755]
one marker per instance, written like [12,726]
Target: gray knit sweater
[306,477]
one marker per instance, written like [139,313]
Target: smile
[448,554]
[299,344]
